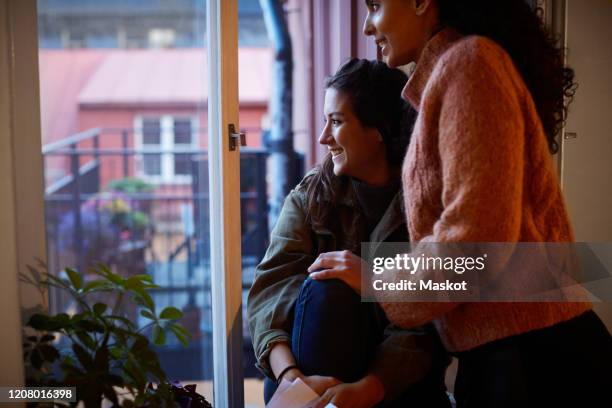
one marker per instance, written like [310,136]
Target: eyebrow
[337,113]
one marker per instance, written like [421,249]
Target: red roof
[139,78]
[63,74]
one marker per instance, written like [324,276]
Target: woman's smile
[336,151]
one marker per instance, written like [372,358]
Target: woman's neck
[381,178]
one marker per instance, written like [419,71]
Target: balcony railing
[99,210]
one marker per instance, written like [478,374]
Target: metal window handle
[234,137]
[570,135]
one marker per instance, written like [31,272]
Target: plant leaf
[179,335]
[106,272]
[94,285]
[49,353]
[159,336]
[54,280]
[144,277]
[41,263]
[75,278]
[179,327]
[86,339]
[115,352]
[129,324]
[41,322]
[145,299]
[140,342]
[133,283]
[35,273]
[147,313]
[171,313]
[99,308]
[90,326]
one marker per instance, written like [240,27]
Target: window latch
[236,137]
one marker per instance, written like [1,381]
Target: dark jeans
[566,365]
[335,334]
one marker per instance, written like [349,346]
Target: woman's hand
[364,393]
[318,383]
[343,265]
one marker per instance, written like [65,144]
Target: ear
[421,6]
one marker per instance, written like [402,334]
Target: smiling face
[401,28]
[357,151]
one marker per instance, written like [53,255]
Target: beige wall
[21,175]
[586,166]
[10,348]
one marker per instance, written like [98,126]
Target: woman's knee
[331,294]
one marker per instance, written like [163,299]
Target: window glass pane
[151,132]
[182,164]
[113,76]
[182,131]
[152,164]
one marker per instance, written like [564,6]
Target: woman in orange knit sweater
[489,86]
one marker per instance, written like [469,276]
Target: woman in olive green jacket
[319,330]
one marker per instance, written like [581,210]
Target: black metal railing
[99,210]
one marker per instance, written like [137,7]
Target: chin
[398,60]
[390,63]
[338,171]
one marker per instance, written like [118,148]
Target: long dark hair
[374,92]
[518,29]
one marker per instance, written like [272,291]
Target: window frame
[224,182]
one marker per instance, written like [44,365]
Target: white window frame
[166,123]
[224,181]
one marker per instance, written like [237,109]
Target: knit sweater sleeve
[473,104]
[481,145]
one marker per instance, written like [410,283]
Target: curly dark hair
[516,27]
[374,92]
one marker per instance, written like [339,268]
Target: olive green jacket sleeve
[278,279]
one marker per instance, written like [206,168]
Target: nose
[368,27]
[325,138]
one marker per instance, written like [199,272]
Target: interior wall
[586,168]
[10,338]
[21,215]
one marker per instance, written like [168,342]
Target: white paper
[294,394]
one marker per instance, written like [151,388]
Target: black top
[374,200]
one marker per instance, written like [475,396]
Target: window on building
[166,144]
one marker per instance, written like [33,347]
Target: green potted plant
[95,348]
